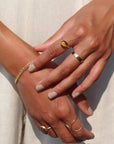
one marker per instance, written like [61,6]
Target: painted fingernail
[31,68]
[75,95]
[90,111]
[52,95]
[40,87]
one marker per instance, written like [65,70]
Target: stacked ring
[70,127]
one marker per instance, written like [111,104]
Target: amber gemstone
[64,44]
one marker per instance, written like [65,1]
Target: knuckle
[34,115]
[81,30]
[63,111]
[65,70]
[49,118]
[93,40]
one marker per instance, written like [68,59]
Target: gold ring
[70,127]
[44,130]
[64,44]
[77,57]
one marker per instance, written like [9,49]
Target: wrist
[14,53]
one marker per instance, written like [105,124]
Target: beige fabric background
[35,21]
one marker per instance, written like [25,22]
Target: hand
[91,34]
[55,113]
[14,54]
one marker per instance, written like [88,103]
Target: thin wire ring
[70,127]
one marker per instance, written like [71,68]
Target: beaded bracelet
[21,72]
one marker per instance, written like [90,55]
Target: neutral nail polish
[52,95]
[39,87]
[31,68]
[90,111]
[75,95]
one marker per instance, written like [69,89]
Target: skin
[90,32]
[14,54]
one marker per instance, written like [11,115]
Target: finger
[68,117]
[62,31]
[51,131]
[83,49]
[57,74]
[81,102]
[92,77]
[97,68]
[56,49]
[77,129]
[73,77]
[64,134]
[59,127]
[83,105]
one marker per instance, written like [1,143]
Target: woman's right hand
[90,32]
[54,114]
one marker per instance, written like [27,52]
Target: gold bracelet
[21,72]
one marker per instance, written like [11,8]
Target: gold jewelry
[70,127]
[44,130]
[77,56]
[21,72]
[64,44]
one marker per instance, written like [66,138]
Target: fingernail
[75,95]
[52,95]
[31,68]
[92,136]
[90,111]
[40,87]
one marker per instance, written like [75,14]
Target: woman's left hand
[91,34]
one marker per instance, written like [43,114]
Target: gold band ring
[70,127]
[77,56]
[44,130]
[64,44]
